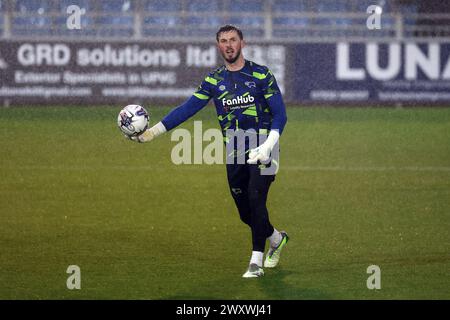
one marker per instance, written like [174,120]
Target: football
[133,120]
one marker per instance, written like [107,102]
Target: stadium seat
[33,20]
[116,6]
[88,20]
[409,8]
[162,26]
[197,25]
[333,7]
[209,21]
[252,21]
[246,6]
[163,32]
[88,25]
[285,6]
[111,33]
[291,21]
[384,4]
[158,6]
[204,6]
[115,19]
[333,21]
[84,4]
[26,6]
[289,33]
[168,21]
[112,25]
[165,24]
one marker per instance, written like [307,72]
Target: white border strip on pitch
[202,166]
[364,169]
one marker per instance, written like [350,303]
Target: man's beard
[232,60]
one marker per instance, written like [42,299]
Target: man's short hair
[227,28]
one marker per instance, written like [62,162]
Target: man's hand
[149,134]
[262,154]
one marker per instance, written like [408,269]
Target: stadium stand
[194,19]
[31,17]
[2,19]
[117,18]
[162,19]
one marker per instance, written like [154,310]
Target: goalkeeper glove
[262,153]
[149,134]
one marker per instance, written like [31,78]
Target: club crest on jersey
[250,84]
[221,87]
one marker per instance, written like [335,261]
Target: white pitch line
[365,169]
[201,167]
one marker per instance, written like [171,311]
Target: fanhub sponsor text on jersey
[238,101]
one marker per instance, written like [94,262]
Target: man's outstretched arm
[174,118]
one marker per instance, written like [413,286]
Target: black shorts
[243,177]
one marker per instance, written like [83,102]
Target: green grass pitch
[356,187]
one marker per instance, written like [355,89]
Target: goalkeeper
[246,97]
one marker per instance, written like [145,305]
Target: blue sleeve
[278,110]
[272,94]
[183,112]
[190,107]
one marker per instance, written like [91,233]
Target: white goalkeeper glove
[149,134]
[262,153]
